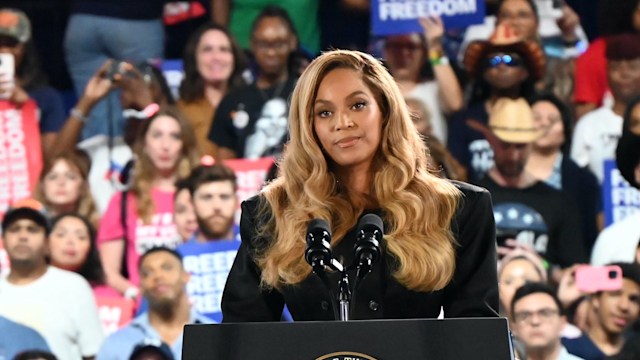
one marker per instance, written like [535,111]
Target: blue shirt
[51,105]
[17,338]
[583,347]
[120,345]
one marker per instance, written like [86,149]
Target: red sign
[20,152]
[250,176]
[114,312]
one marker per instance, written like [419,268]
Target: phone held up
[7,73]
[591,279]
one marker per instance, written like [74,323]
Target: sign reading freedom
[391,17]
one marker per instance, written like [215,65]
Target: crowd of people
[130,193]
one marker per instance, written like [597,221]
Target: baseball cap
[14,23]
[26,209]
[152,347]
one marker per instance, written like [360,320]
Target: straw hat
[505,39]
[512,121]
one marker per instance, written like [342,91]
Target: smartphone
[591,279]
[7,72]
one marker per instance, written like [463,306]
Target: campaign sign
[174,73]
[20,152]
[250,176]
[209,265]
[389,17]
[620,199]
[114,312]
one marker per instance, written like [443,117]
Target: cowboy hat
[512,121]
[505,39]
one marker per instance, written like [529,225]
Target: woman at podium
[353,150]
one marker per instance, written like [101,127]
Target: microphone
[318,252]
[367,247]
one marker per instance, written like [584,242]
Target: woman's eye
[359,105]
[324,113]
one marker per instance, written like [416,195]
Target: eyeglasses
[511,60]
[545,314]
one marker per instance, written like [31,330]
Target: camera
[116,67]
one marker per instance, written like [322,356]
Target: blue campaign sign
[389,17]
[209,264]
[619,198]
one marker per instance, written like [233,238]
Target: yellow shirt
[200,115]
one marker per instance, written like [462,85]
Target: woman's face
[547,118]
[347,119]
[634,120]
[63,184]
[520,16]
[404,55]
[163,143]
[184,216]
[69,243]
[272,43]
[214,57]
[515,274]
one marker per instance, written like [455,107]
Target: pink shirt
[161,231]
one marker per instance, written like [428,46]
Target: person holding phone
[22,79]
[613,312]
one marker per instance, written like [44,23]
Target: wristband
[76,113]
[131,292]
[443,60]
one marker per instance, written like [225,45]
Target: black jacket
[472,292]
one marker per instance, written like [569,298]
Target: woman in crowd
[422,71]
[142,217]
[72,247]
[213,64]
[64,186]
[549,161]
[518,267]
[353,150]
[29,81]
[183,213]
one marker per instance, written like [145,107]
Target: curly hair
[418,206]
[144,171]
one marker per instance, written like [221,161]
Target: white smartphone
[7,73]
[550,8]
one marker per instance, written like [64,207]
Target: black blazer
[472,292]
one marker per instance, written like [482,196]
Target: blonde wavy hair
[418,206]
[79,162]
[144,172]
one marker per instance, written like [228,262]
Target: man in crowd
[162,282]
[537,321]
[528,211]
[209,254]
[613,313]
[57,303]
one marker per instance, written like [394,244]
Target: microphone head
[317,225]
[371,222]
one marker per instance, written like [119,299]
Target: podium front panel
[471,338]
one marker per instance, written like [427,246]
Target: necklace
[276,93]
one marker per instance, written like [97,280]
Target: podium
[425,339]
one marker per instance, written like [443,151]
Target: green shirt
[303,13]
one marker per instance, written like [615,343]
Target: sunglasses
[510,60]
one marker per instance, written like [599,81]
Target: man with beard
[209,254]
[528,213]
[162,282]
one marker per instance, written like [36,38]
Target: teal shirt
[303,13]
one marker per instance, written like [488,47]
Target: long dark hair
[91,270]
[192,86]
[565,116]
[29,70]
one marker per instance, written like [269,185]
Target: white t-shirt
[595,139]
[617,242]
[60,306]
[427,93]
